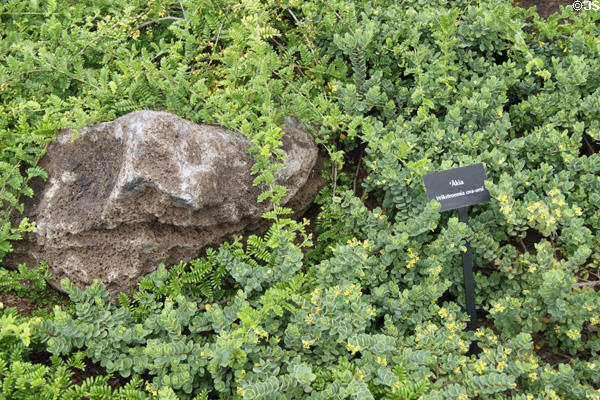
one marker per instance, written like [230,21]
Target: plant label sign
[458,187]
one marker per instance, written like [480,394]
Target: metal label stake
[460,188]
[467,259]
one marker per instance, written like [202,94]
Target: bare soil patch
[544,8]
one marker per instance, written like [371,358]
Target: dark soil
[545,8]
[22,304]
[94,369]
[27,305]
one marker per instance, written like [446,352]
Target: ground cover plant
[370,306]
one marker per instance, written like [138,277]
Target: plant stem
[219,303]
[167,18]
[354,182]
[585,284]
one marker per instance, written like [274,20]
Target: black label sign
[458,187]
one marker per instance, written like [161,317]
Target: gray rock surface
[151,188]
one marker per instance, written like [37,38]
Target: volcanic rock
[151,188]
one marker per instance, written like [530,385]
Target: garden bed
[374,307]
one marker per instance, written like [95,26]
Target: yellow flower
[413,258]
[337,290]
[443,313]
[307,343]
[315,293]
[533,376]
[479,366]
[498,308]
[382,361]
[353,348]
[532,268]
[501,365]
[573,334]
[553,192]
[260,332]
[592,366]
[557,328]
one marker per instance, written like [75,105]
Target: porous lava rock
[151,188]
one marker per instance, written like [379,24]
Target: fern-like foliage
[202,278]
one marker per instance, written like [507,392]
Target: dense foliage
[375,309]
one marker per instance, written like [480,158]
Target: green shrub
[22,378]
[377,308]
